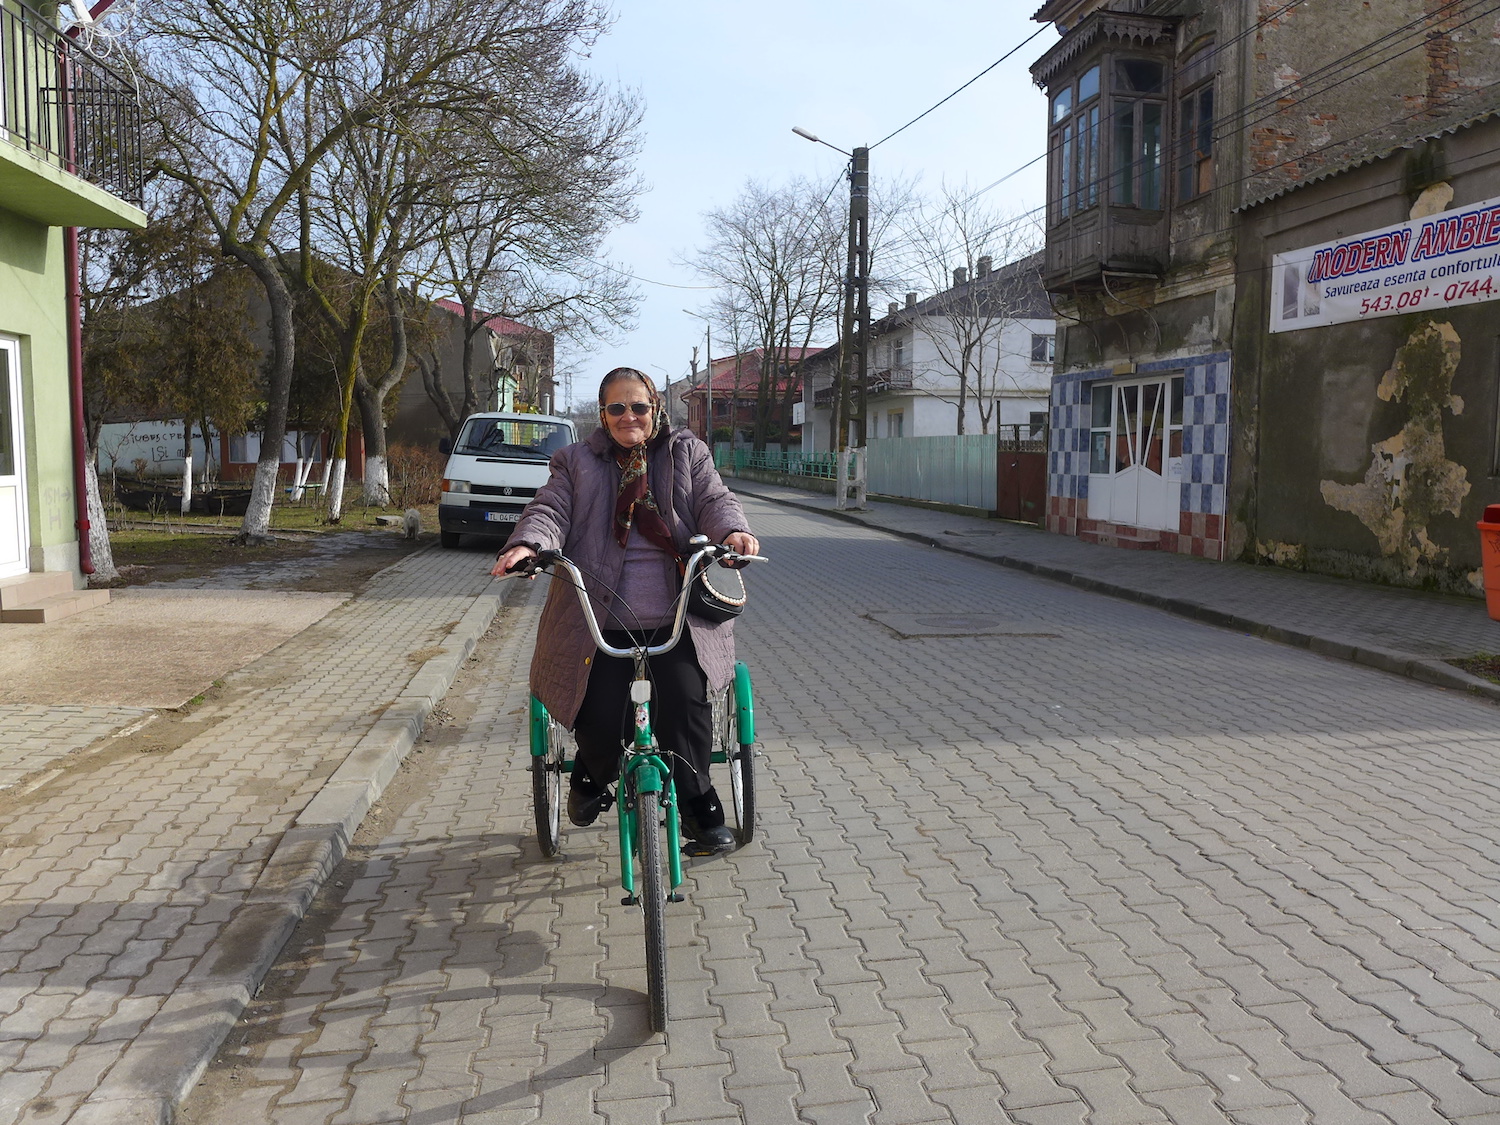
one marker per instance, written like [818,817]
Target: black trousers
[681,716]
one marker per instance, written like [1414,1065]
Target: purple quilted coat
[575,511]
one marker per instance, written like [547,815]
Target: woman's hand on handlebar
[509,559]
[742,543]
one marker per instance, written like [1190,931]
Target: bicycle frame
[642,769]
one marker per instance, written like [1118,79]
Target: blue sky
[723,84]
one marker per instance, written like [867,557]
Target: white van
[494,469]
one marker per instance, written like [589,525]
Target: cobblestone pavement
[1382,626]
[34,738]
[120,878]
[1103,865]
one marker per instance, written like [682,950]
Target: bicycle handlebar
[704,553]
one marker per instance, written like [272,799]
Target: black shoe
[584,806]
[710,841]
[703,824]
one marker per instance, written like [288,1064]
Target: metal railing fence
[50,84]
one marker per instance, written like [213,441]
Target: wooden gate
[1021,474]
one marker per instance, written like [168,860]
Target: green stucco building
[55,100]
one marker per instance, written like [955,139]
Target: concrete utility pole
[854,333]
[851,411]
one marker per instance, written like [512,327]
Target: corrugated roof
[1370,147]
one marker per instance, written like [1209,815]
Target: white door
[13,538]
[1146,447]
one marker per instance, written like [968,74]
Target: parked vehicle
[493,471]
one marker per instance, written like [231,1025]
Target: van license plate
[502,517]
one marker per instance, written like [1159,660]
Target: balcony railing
[881,382]
[51,87]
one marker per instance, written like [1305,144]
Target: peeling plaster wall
[1308,93]
[1368,449]
[1410,480]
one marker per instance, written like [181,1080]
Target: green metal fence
[821,465]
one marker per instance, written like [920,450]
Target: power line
[647,280]
[1310,85]
[964,87]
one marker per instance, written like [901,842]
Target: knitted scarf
[634,503]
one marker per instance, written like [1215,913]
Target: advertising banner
[1426,265]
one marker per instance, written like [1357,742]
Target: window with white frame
[1043,347]
[895,423]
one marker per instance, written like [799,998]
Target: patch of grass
[148,555]
[1485,665]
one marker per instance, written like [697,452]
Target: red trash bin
[1489,550]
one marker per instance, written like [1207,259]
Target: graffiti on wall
[1410,479]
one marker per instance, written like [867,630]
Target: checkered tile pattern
[1068,448]
[1205,451]
[1205,429]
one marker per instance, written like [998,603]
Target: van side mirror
[445,446]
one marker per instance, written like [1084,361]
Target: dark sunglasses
[639,409]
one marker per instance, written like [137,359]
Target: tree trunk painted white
[104,559]
[299,477]
[257,526]
[377,490]
[187,481]
[336,491]
[327,468]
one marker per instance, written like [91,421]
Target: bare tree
[778,257]
[774,254]
[964,322]
[275,84]
[166,329]
[517,226]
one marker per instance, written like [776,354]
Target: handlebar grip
[534,563]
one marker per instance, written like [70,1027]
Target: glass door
[13,537]
[1136,444]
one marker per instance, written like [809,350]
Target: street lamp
[708,379]
[854,335]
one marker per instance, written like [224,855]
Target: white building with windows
[982,349]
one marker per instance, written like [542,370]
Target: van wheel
[448,538]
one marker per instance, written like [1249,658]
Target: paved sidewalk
[144,894]
[34,738]
[1406,632]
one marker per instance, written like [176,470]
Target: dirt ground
[1485,665]
[187,612]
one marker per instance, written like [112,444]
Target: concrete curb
[1426,671]
[165,1061]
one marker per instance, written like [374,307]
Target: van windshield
[513,438]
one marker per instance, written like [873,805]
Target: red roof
[500,325]
[742,372]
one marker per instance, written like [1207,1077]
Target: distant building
[736,395]
[980,350]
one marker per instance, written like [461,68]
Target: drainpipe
[75,388]
[75,337]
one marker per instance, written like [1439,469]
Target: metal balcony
[881,382]
[63,105]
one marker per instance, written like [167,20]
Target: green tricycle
[647,794]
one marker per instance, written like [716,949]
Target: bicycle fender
[649,773]
[539,721]
[744,704]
